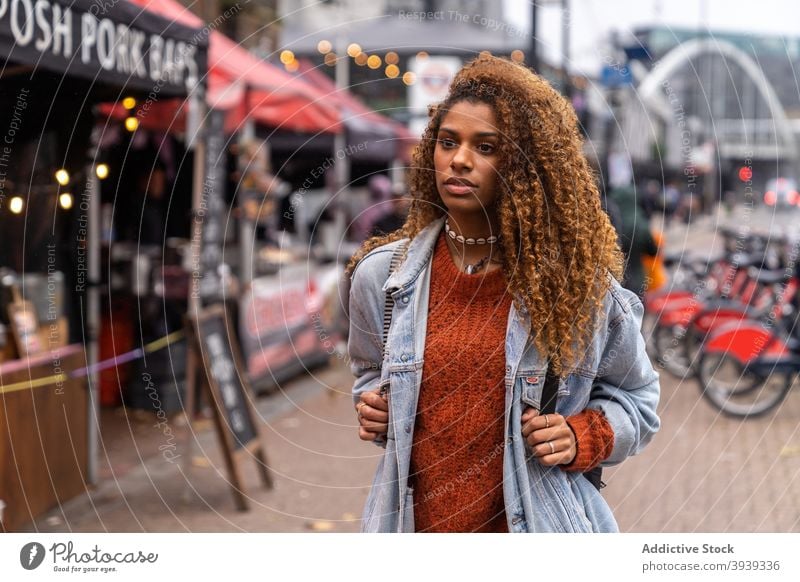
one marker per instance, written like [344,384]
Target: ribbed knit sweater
[457,454]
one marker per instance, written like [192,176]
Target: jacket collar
[418,255]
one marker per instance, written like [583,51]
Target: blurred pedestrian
[396,218]
[504,282]
[672,198]
[635,239]
[153,217]
[379,187]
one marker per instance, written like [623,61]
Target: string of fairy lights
[390,61]
[64,180]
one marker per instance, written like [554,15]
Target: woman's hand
[373,415]
[550,437]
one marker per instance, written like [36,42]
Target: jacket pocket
[531,384]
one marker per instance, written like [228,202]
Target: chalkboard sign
[212,209]
[215,351]
[224,376]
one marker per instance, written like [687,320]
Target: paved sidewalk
[702,473]
[322,474]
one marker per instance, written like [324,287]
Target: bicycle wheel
[671,350]
[693,340]
[736,391]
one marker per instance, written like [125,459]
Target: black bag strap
[388,306]
[548,406]
[549,392]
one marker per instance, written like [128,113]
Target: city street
[703,472]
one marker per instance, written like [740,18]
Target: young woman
[505,269]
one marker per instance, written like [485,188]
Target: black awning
[105,41]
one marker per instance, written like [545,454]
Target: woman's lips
[459,189]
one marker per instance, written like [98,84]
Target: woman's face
[465,158]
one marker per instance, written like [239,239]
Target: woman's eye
[447,143]
[486,148]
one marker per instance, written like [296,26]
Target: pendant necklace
[475,267]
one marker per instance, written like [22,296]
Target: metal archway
[650,87]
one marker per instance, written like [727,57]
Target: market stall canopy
[248,87]
[108,43]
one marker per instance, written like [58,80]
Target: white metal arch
[650,87]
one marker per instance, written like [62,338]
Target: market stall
[60,59]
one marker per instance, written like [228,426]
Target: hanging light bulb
[324,46]
[62,177]
[374,62]
[65,200]
[287,57]
[131,124]
[354,49]
[129,103]
[392,71]
[101,170]
[409,78]
[15,205]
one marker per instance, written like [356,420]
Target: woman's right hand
[373,415]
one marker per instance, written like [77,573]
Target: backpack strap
[548,406]
[397,257]
[388,307]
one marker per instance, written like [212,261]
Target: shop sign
[107,41]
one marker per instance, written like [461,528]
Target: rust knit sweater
[457,454]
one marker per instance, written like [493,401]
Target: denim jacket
[615,376]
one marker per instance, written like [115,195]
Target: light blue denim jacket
[616,376]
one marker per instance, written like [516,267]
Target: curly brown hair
[559,246]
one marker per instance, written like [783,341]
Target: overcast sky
[593,19]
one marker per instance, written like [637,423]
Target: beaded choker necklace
[469,241]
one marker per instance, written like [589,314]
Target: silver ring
[552,448]
[546,422]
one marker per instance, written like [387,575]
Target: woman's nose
[461,158]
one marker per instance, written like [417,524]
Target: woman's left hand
[550,437]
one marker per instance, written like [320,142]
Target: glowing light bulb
[101,171]
[374,61]
[129,103]
[392,71]
[62,177]
[16,204]
[65,200]
[324,46]
[354,49]
[131,124]
[287,57]
[409,78]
